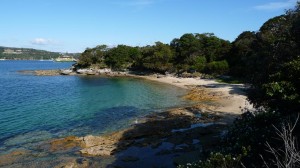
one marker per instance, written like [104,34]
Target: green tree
[270,61]
[158,57]
[120,57]
[200,63]
[217,67]
[240,57]
[191,48]
[213,48]
[92,56]
[187,47]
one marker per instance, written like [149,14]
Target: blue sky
[73,25]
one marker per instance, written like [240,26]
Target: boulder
[66,72]
[105,70]
[97,146]
[100,150]
[90,141]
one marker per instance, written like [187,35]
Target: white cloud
[41,41]
[276,5]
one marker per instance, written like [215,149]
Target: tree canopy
[267,59]
[196,52]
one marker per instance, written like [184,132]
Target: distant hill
[30,54]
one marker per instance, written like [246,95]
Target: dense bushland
[269,60]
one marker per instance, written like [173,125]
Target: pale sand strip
[233,98]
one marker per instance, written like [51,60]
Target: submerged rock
[65,143]
[186,120]
[47,72]
[14,156]
[74,163]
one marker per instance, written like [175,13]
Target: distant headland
[13,53]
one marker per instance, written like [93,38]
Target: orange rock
[65,143]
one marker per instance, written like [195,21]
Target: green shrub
[217,67]
[219,160]
[200,64]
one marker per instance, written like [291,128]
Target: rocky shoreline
[189,130]
[169,138]
[97,72]
[165,124]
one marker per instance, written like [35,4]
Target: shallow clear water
[35,108]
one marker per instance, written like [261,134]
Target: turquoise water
[35,108]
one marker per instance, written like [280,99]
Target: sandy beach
[191,131]
[173,137]
[228,98]
[232,97]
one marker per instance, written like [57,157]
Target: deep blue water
[35,108]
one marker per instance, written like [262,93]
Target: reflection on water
[38,108]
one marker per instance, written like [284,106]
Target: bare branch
[289,156]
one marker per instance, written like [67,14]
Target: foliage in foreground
[269,60]
[270,139]
[219,160]
[289,155]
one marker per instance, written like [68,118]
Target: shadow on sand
[238,89]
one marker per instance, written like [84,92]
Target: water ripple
[73,105]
